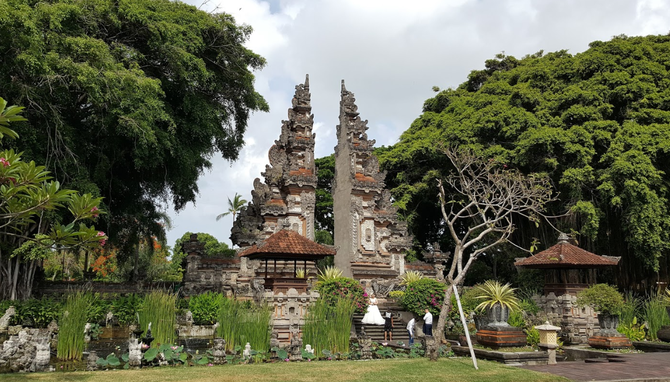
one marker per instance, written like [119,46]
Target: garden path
[647,367]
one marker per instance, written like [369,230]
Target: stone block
[609,342]
[501,338]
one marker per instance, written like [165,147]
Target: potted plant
[497,300]
[607,301]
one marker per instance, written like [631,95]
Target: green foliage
[492,292]
[632,330]
[205,307]
[422,294]
[601,297]
[241,322]
[159,309]
[410,277]
[33,312]
[323,214]
[329,273]
[655,316]
[282,354]
[98,309]
[595,122]
[532,336]
[71,326]
[125,308]
[111,360]
[333,289]
[126,91]
[396,294]
[234,207]
[328,325]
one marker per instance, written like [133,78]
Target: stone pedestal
[496,337]
[551,352]
[134,353]
[609,342]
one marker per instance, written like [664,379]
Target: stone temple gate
[371,243]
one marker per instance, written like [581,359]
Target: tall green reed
[328,327]
[71,326]
[241,322]
[655,316]
[631,309]
[159,309]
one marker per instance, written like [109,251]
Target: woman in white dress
[373,316]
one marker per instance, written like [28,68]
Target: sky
[390,54]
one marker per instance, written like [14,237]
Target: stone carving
[295,349]
[308,349]
[6,318]
[246,353]
[91,361]
[365,343]
[288,192]
[372,241]
[219,351]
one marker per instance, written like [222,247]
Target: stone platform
[496,338]
[609,342]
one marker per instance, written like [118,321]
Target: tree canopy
[597,123]
[128,99]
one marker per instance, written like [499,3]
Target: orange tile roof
[364,178]
[566,255]
[288,244]
[301,171]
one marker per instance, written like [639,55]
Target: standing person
[388,327]
[373,317]
[428,323]
[410,331]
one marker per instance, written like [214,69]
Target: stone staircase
[376,332]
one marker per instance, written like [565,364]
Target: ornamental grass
[328,327]
[71,326]
[159,308]
[241,322]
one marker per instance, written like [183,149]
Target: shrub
[632,330]
[396,294]
[98,310]
[329,273]
[205,307]
[601,297]
[36,312]
[343,287]
[125,308]
[422,294]
[410,277]
[468,303]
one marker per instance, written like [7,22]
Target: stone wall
[577,324]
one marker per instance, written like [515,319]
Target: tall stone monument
[371,241]
[287,197]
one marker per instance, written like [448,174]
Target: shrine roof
[566,255]
[287,245]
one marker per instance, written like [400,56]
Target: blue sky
[390,53]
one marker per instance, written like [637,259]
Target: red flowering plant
[343,287]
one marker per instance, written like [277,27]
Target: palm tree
[234,207]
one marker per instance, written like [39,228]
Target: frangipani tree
[486,197]
[31,209]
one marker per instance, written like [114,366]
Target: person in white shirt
[428,323]
[410,331]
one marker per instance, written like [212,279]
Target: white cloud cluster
[390,53]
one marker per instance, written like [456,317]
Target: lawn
[405,370]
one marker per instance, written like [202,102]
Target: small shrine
[289,247]
[568,269]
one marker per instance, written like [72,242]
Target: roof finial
[307,80]
[344,89]
[563,238]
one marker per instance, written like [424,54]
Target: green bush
[205,307]
[601,297]
[422,294]
[98,310]
[632,330]
[396,294]
[343,287]
[34,312]
[125,308]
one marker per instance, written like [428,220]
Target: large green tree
[597,123]
[128,99]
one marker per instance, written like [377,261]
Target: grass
[406,370]
[328,327]
[159,308]
[241,322]
[655,316]
[73,320]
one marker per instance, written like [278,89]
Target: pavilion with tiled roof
[286,245]
[568,268]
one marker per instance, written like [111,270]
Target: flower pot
[481,320]
[497,316]
[608,324]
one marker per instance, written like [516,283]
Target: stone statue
[295,348]
[92,361]
[274,340]
[365,343]
[247,351]
[134,352]
[189,318]
[87,332]
[308,349]
[219,351]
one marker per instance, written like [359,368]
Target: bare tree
[486,198]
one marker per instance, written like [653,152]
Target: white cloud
[390,53]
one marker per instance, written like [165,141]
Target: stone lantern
[548,340]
